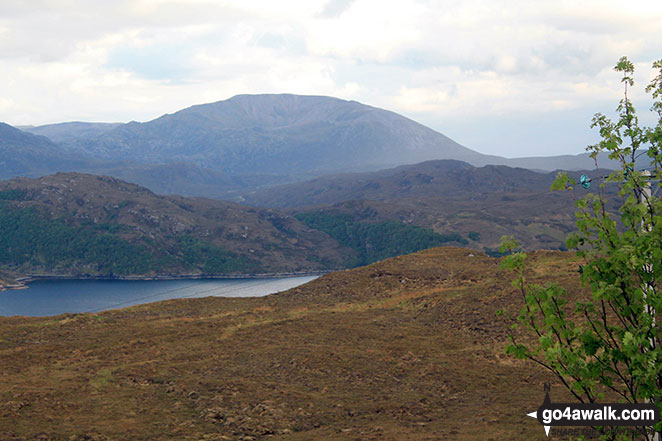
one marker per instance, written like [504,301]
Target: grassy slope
[405,349]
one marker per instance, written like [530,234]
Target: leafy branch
[611,342]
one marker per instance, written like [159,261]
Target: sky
[506,77]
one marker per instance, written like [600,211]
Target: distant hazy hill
[23,153]
[568,162]
[78,224]
[71,133]
[438,179]
[178,178]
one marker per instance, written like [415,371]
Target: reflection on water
[51,297]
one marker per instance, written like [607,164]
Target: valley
[277,158]
[406,348]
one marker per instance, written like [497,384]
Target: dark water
[51,297]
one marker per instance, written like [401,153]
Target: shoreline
[23,282]
[13,287]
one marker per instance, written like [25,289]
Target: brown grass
[405,349]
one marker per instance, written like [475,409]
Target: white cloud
[370,30]
[436,60]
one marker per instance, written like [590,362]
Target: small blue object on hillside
[585,181]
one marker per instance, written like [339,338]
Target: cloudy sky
[507,77]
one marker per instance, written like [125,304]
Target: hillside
[78,225]
[176,178]
[449,179]
[83,225]
[405,349]
[449,197]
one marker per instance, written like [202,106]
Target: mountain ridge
[260,123]
[279,134]
[66,133]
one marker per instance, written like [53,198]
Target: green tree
[611,342]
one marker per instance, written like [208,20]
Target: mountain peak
[282,134]
[273,110]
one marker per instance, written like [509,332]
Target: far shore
[13,286]
[23,282]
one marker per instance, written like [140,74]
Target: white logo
[535,415]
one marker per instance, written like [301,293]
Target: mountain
[281,136]
[246,142]
[82,225]
[407,349]
[275,134]
[569,162]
